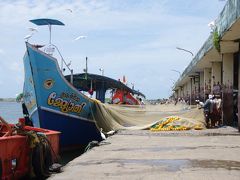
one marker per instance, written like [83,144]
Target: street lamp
[176,71]
[185,50]
[102,70]
[190,98]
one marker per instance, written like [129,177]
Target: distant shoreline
[7,99]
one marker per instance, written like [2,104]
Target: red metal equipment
[15,151]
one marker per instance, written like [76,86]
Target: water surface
[11,111]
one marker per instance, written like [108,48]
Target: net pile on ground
[115,117]
[175,123]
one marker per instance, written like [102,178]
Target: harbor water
[11,111]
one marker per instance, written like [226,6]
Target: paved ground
[205,154]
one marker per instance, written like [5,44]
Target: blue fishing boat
[52,101]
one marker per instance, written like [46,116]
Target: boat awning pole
[71,76]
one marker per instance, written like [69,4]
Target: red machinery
[16,149]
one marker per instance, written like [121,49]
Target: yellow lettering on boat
[64,105]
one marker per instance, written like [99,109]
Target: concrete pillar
[201,86]
[182,92]
[195,87]
[238,96]
[189,89]
[207,81]
[227,70]
[216,73]
[227,89]
[185,91]
[175,94]
[179,92]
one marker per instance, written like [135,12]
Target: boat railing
[49,49]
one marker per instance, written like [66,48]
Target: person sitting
[206,110]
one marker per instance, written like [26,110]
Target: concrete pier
[142,154]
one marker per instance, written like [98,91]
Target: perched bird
[102,135]
[109,133]
[212,25]
[69,63]
[27,37]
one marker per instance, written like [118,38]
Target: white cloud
[136,38]
[1,51]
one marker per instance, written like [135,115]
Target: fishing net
[153,117]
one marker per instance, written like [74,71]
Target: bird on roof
[27,37]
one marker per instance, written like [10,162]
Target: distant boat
[52,101]
[120,92]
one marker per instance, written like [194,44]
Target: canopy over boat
[84,82]
[41,22]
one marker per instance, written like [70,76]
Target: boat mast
[86,70]
[50,33]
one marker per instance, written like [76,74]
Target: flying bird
[69,10]
[32,29]
[80,37]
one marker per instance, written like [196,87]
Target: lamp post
[86,68]
[176,71]
[181,49]
[102,70]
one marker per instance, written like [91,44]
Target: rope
[91,145]
[41,157]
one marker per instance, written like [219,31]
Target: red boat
[26,151]
[124,97]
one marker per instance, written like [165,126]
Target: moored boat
[53,102]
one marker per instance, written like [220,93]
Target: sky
[135,38]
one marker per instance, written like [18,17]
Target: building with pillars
[215,68]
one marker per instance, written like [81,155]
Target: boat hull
[53,102]
[76,132]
